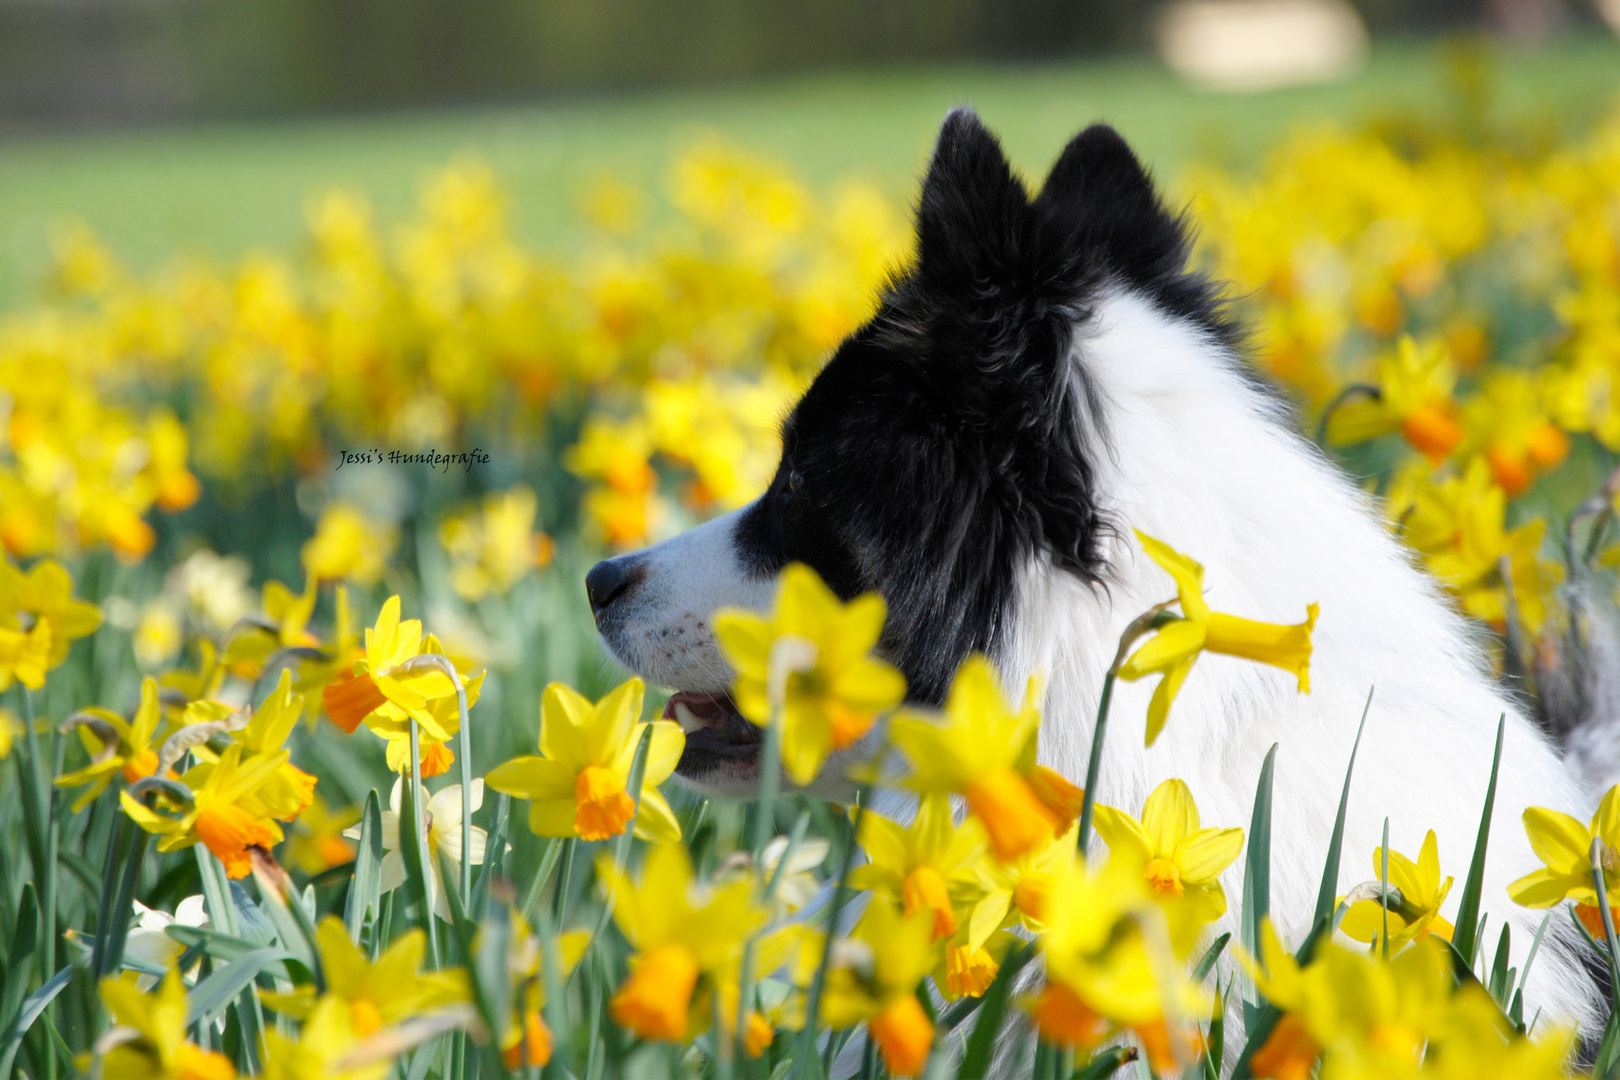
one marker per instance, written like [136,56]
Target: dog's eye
[794,480]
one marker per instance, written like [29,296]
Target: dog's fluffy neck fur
[1199,458]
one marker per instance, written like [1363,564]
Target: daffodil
[117,747]
[441,821]
[396,681]
[1415,911]
[44,595]
[1510,429]
[376,994]
[874,979]
[348,545]
[283,625]
[1018,892]
[1112,963]
[149,941]
[316,842]
[1460,526]
[149,1039]
[683,934]
[1414,385]
[1176,647]
[223,814]
[1360,1015]
[1180,861]
[25,656]
[290,790]
[930,866]
[795,885]
[525,966]
[577,787]
[1565,846]
[491,549]
[986,752]
[811,659]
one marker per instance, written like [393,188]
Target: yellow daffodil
[224,814]
[150,1041]
[1565,845]
[681,933]
[1180,861]
[376,994]
[323,1048]
[1414,397]
[1412,915]
[315,842]
[117,747]
[929,866]
[44,596]
[441,820]
[25,656]
[1018,892]
[986,752]
[1473,1041]
[1112,963]
[390,686]
[348,546]
[290,790]
[1511,431]
[1360,1015]
[811,659]
[874,979]
[1176,647]
[493,548]
[525,966]
[283,624]
[577,787]
[10,729]
[1459,524]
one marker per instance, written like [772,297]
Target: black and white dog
[1045,378]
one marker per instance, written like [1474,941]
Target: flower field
[312,766]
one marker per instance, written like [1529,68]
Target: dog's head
[947,444]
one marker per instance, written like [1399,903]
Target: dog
[1046,377]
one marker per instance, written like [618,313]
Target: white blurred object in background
[1258,44]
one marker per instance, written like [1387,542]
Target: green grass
[224,189]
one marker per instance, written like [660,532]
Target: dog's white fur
[1202,459]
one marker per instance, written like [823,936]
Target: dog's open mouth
[716,732]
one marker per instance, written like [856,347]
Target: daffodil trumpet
[1147,622]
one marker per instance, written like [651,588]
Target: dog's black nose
[611,579]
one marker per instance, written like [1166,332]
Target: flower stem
[420,843]
[1151,619]
[770,779]
[807,1048]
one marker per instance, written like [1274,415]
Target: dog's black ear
[974,212]
[1100,200]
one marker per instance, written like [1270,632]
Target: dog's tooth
[684,717]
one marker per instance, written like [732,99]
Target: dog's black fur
[943,446]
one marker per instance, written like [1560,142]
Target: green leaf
[211,996]
[227,947]
[1257,875]
[981,1044]
[500,816]
[1327,895]
[1468,906]
[1106,1062]
[19,958]
[364,899]
[1501,975]
[1212,954]
[32,1007]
